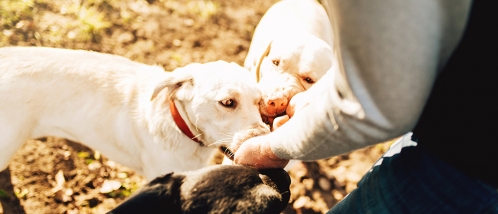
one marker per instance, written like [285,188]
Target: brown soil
[52,175]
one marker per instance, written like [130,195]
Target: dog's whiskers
[285,192]
[221,141]
[228,135]
[197,136]
[229,154]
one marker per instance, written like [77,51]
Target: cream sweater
[388,55]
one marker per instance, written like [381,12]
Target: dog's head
[214,189]
[219,101]
[289,65]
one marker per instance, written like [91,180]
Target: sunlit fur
[121,108]
[292,42]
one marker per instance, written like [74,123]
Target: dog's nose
[276,105]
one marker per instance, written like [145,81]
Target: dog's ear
[179,86]
[260,60]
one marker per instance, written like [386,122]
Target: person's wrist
[268,152]
[277,162]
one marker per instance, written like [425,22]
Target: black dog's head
[214,189]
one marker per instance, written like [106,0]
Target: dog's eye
[309,80]
[276,62]
[229,103]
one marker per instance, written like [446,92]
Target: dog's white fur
[290,50]
[120,107]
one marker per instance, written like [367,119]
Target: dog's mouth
[227,152]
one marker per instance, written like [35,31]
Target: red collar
[181,123]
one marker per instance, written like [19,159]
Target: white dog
[122,108]
[290,50]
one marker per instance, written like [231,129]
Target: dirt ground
[52,175]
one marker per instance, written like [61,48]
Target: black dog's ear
[161,195]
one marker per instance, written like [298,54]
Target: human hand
[256,152]
[297,103]
[279,121]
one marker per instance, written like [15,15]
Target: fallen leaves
[109,186]
[61,194]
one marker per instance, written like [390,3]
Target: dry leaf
[301,202]
[59,181]
[94,165]
[62,196]
[109,186]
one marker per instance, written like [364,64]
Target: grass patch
[21,193]
[87,157]
[3,194]
[92,21]
[13,11]
[197,9]
[126,189]
[203,9]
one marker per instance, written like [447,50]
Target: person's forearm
[389,54]
[329,126]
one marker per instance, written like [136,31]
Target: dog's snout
[276,105]
[277,102]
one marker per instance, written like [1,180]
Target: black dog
[214,189]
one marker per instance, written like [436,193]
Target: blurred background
[52,175]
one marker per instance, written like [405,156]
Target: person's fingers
[290,110]
[246,154]
[279,121]
[298,102]
[258,155]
